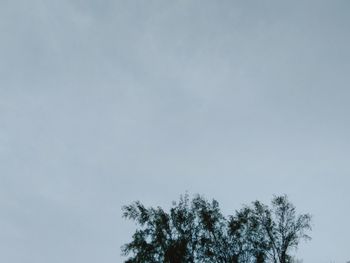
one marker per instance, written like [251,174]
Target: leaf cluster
[195,231]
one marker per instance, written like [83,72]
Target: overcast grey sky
[104,102]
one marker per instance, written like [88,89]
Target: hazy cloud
[106,102]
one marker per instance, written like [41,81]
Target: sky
[106,102]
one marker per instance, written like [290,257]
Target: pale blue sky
[106,102]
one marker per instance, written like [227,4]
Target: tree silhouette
[196,231]
[282,227]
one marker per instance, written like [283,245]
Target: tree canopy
[196,231]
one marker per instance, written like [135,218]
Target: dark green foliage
[196,231]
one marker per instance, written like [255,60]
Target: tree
[193,231]
[283,228]
[245,231]
[196,231]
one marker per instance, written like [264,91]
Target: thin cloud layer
[103,103]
